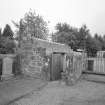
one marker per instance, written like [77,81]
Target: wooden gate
[56,66]
[96,65]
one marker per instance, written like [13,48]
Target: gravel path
[55,93]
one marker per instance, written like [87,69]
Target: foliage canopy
[31,25]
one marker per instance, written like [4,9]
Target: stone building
[38,54]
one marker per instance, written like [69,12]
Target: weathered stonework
[7,65]
[35,53]
[32,58]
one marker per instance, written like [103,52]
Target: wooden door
[56,66]
[1,68]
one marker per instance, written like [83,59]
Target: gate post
[7,66]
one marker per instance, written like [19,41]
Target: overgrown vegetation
[79,38]
[30,26]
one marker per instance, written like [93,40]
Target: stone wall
[32,58]
[35,53]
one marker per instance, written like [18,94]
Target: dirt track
[55,93]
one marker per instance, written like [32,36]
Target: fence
[96,65]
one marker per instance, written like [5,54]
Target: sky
[74,12]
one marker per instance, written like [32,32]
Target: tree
[82,36]
[7,43]
[79,38]
[101,40]
[92,46]
[7,32]
[32,25]
[103,44]
[60,27]
[0,32]
[65,34]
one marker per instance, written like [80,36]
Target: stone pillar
[64,63]
[7,67]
